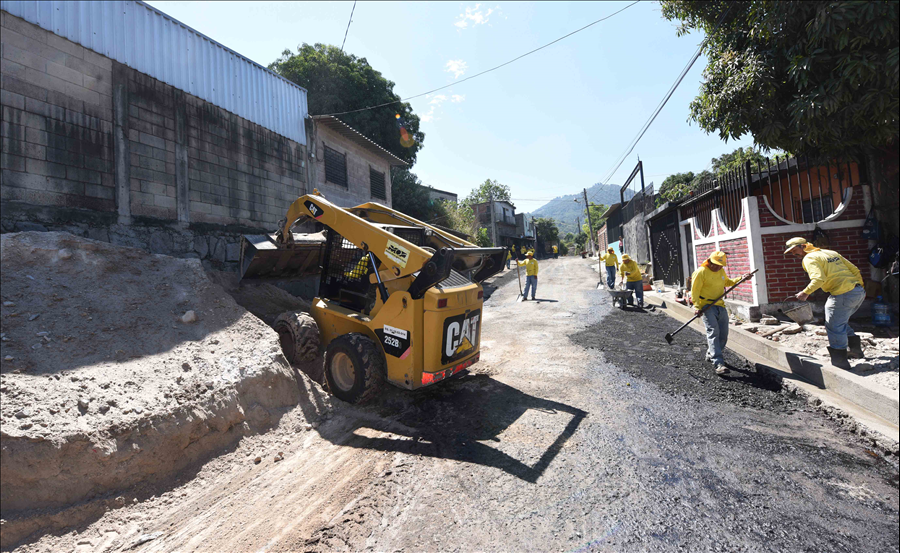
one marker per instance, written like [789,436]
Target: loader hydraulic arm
[400,257]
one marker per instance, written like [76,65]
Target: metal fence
[797,189]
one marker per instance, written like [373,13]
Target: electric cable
[482,72]
[348,25]
[665,99]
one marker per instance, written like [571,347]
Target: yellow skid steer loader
[399,300]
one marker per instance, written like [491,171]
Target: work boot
[839,358]
[854,347]
[721,369]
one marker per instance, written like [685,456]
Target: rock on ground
[104,387]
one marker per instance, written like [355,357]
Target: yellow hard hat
[794,242]
[625,257]
[719,258]
[529,252]
[610,249]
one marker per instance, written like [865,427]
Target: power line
[665,99]
[485,71]
[348,25]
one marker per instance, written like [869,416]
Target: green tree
[569,237]
[338,81]
[736,160]
[546,230]
[675,187]
[485,190]
[482,239]
[581,240]
[410,197]
[818,76]
[460,217]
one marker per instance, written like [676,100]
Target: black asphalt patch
[634,341]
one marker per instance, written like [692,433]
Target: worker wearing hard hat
[531,272]
[509,255]
[612,264]
[832,273]
[633,278]
[708,283]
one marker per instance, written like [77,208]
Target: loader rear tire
[299,336]
[354,367]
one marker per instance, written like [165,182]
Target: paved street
[581,430]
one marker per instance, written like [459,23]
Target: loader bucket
[262,257]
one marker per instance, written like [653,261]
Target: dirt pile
[106,382]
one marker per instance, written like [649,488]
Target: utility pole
[578,220]
[587,206]
[534,235]
[493,224]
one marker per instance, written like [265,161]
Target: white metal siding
[146,39]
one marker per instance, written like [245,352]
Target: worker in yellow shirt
[531,272]
[509,255]
[708,283]
[633,278]
[612,265]
[832,273]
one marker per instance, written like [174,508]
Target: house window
[335,167]
[376,184]
[813,209]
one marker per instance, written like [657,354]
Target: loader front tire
[299,336]
[354,367]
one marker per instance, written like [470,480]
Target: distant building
[348,168]
[508,228]
[442,195]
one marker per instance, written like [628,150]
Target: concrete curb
[875,400]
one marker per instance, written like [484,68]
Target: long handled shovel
[519,278]
[669,337]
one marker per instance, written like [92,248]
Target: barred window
[335,167]
[376,184]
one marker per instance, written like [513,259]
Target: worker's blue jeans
[507,262]
[530,282]
[716,320]
[611,276]
[838,310]
[638,288]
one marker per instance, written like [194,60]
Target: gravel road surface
[580,430]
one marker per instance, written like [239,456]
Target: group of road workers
[827,270]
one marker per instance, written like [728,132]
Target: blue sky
[547,125]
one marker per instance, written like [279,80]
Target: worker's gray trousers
[611,276]
[838,310]
[716,320]
[530,282]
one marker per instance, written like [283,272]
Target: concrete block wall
[57,121]
[93,147]
[359,160]
[239,171]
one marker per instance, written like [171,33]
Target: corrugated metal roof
[144,38]
[346,130]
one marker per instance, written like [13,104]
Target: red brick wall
[785,274]
[602,240]
[703,251]
[738,263]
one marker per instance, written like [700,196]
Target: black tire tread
[305,332]
[371,359]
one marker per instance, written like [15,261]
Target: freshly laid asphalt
[581,429]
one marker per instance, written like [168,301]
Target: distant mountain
[564,210]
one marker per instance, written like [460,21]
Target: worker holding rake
[708,285]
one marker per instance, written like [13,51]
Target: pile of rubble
[120,366]
[882,350]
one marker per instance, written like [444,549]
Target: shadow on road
[453,419]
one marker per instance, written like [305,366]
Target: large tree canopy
[816,76]
[485,190]
[338,81]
